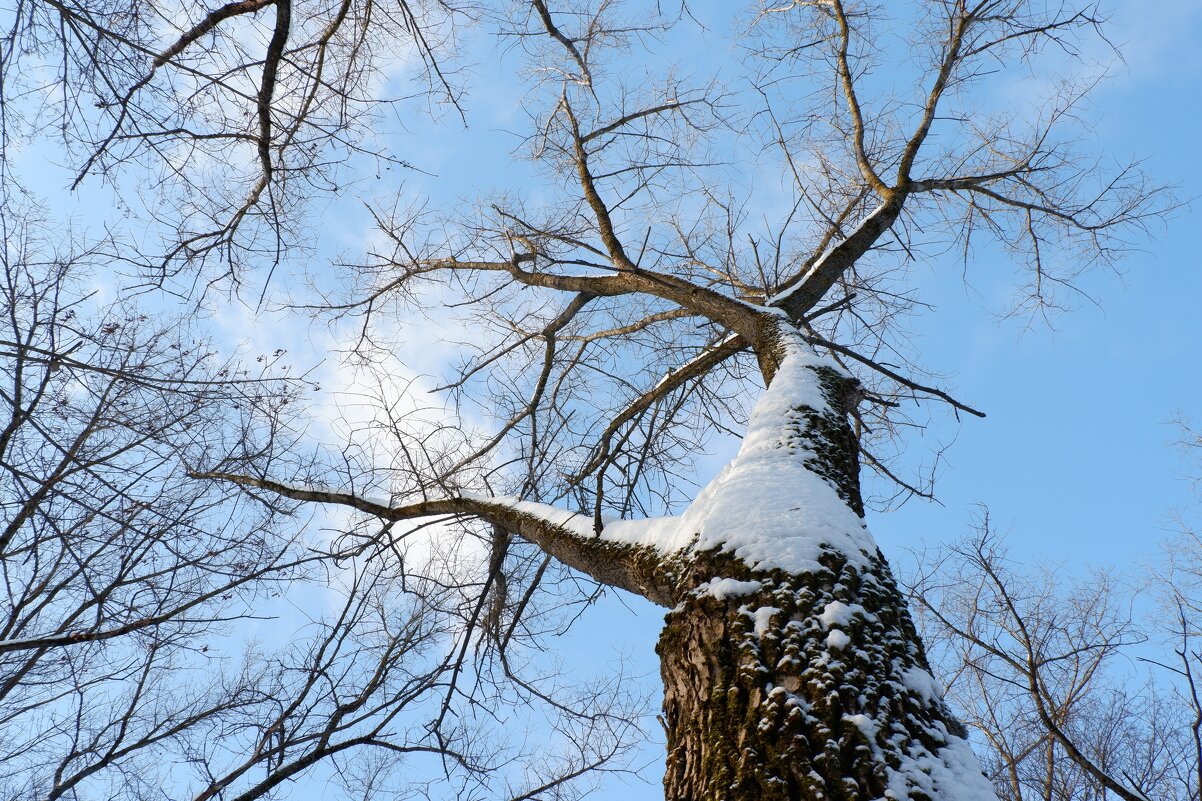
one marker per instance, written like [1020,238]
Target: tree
[791,666]
[133,657]
[1041,665]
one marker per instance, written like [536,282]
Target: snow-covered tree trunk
[790,664]
[810,686]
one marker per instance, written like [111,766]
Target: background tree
[134,659]
[240,112]
[1053,672]
[1078,685]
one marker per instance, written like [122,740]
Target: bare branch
[568,536]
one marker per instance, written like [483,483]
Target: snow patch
[767,506]
[575,523]
[922,683]
[763,619]
[724,588]
[864,724]
[951,774]
[837,640]
[837,613]
[780,297]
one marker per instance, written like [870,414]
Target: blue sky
[1076,459]
[1077,456]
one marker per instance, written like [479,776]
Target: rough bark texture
[761,696]
[806,686]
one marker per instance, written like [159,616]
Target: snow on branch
[564,535]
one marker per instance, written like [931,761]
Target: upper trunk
[796,673]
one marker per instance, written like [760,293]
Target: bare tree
[137,646]
[1045,668]
[1180,590]
[613,325]
[791,668]
[241,111]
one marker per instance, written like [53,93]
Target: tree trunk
[809,687]
[809,684]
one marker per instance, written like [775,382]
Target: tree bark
[809,685]
[763,699]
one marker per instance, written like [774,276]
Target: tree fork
[803,682]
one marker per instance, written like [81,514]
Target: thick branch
[853,105]
[828,269]
[211,21]
[599,285]
[568,44]
[736,315]
[271,65]
[950,59]
[567,536]
[733,314]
